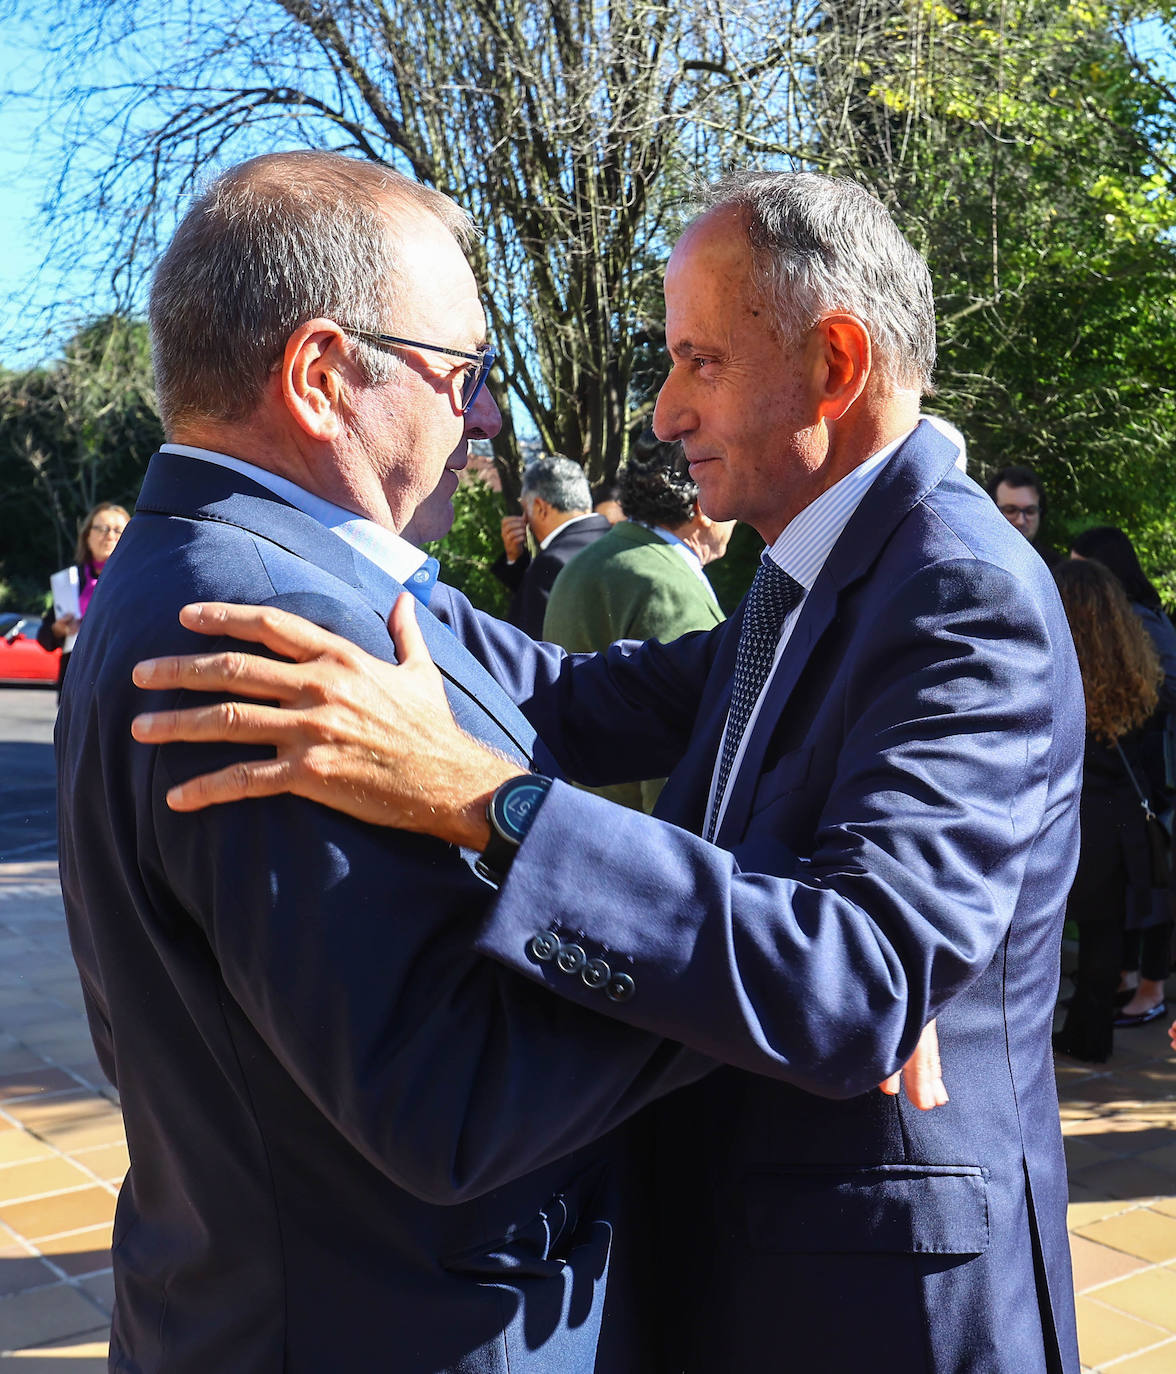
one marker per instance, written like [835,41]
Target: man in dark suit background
[349,1144]
[557,509]
[874,821]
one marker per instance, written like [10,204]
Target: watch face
[515,805]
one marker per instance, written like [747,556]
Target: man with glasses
[355,1144]
[1017,492]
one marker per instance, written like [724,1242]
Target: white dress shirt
[801,551]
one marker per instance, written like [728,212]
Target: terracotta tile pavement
[63,1156]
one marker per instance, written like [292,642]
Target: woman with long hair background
[97,540]
[1147,953]
[1118,884]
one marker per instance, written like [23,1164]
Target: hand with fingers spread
[374,740]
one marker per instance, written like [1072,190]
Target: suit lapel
[199,490]
[915,469]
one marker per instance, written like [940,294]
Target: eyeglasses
[116,530]
[475,377]
[1012,512]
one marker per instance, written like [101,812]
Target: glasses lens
[475,379]
[107,529]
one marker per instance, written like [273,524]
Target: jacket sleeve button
[595,973]
[620,988]
[544,946]
[570,959]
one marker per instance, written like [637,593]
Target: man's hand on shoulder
[375,740]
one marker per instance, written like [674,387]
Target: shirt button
[570,959]
[620,988]
[595,973]
[544,946]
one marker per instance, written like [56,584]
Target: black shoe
[1141,1018]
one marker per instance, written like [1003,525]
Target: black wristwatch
[511,810]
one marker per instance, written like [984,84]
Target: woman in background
[1116,883]
[1146,954]
[97,539]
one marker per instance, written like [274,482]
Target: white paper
[64,585]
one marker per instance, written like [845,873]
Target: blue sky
[22,190]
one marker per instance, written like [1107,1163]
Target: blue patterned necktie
[773,594]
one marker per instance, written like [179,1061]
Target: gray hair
[559,481]
[823,243]
[270,244]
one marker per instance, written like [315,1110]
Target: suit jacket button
[620,988]
[544,946]
[570,959]
[595,973]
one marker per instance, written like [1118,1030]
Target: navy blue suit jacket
[530,580]
[354,1142]
[897,845]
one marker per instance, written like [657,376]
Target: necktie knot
[773,594]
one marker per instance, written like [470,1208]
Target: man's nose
[483,420]
[671,418]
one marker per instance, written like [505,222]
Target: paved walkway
[63,1155]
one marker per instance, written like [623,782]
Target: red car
[21,658]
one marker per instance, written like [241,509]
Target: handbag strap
[1143,801]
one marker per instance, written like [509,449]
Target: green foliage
[731,576]
[1026,146]
[71,435]
[473,543]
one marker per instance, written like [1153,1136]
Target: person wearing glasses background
[1018,494]
[97,540]
[352,1137]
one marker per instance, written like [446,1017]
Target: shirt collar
[386,549]
[807,540]
[566,525]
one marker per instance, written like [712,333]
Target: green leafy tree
[72,435]
[1028,147]
[562,125]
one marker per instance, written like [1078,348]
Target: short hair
[1113,548]
[268,245]
[822,243]
[559,481]
[656,487]
[1015,475]
[82,548]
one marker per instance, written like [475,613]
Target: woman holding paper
[74,586]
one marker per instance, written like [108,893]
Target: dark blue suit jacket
[354,1142]
[530,580]
[898,845]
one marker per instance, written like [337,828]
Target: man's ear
[845,363]
[315,371]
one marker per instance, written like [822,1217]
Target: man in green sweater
[644,578]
